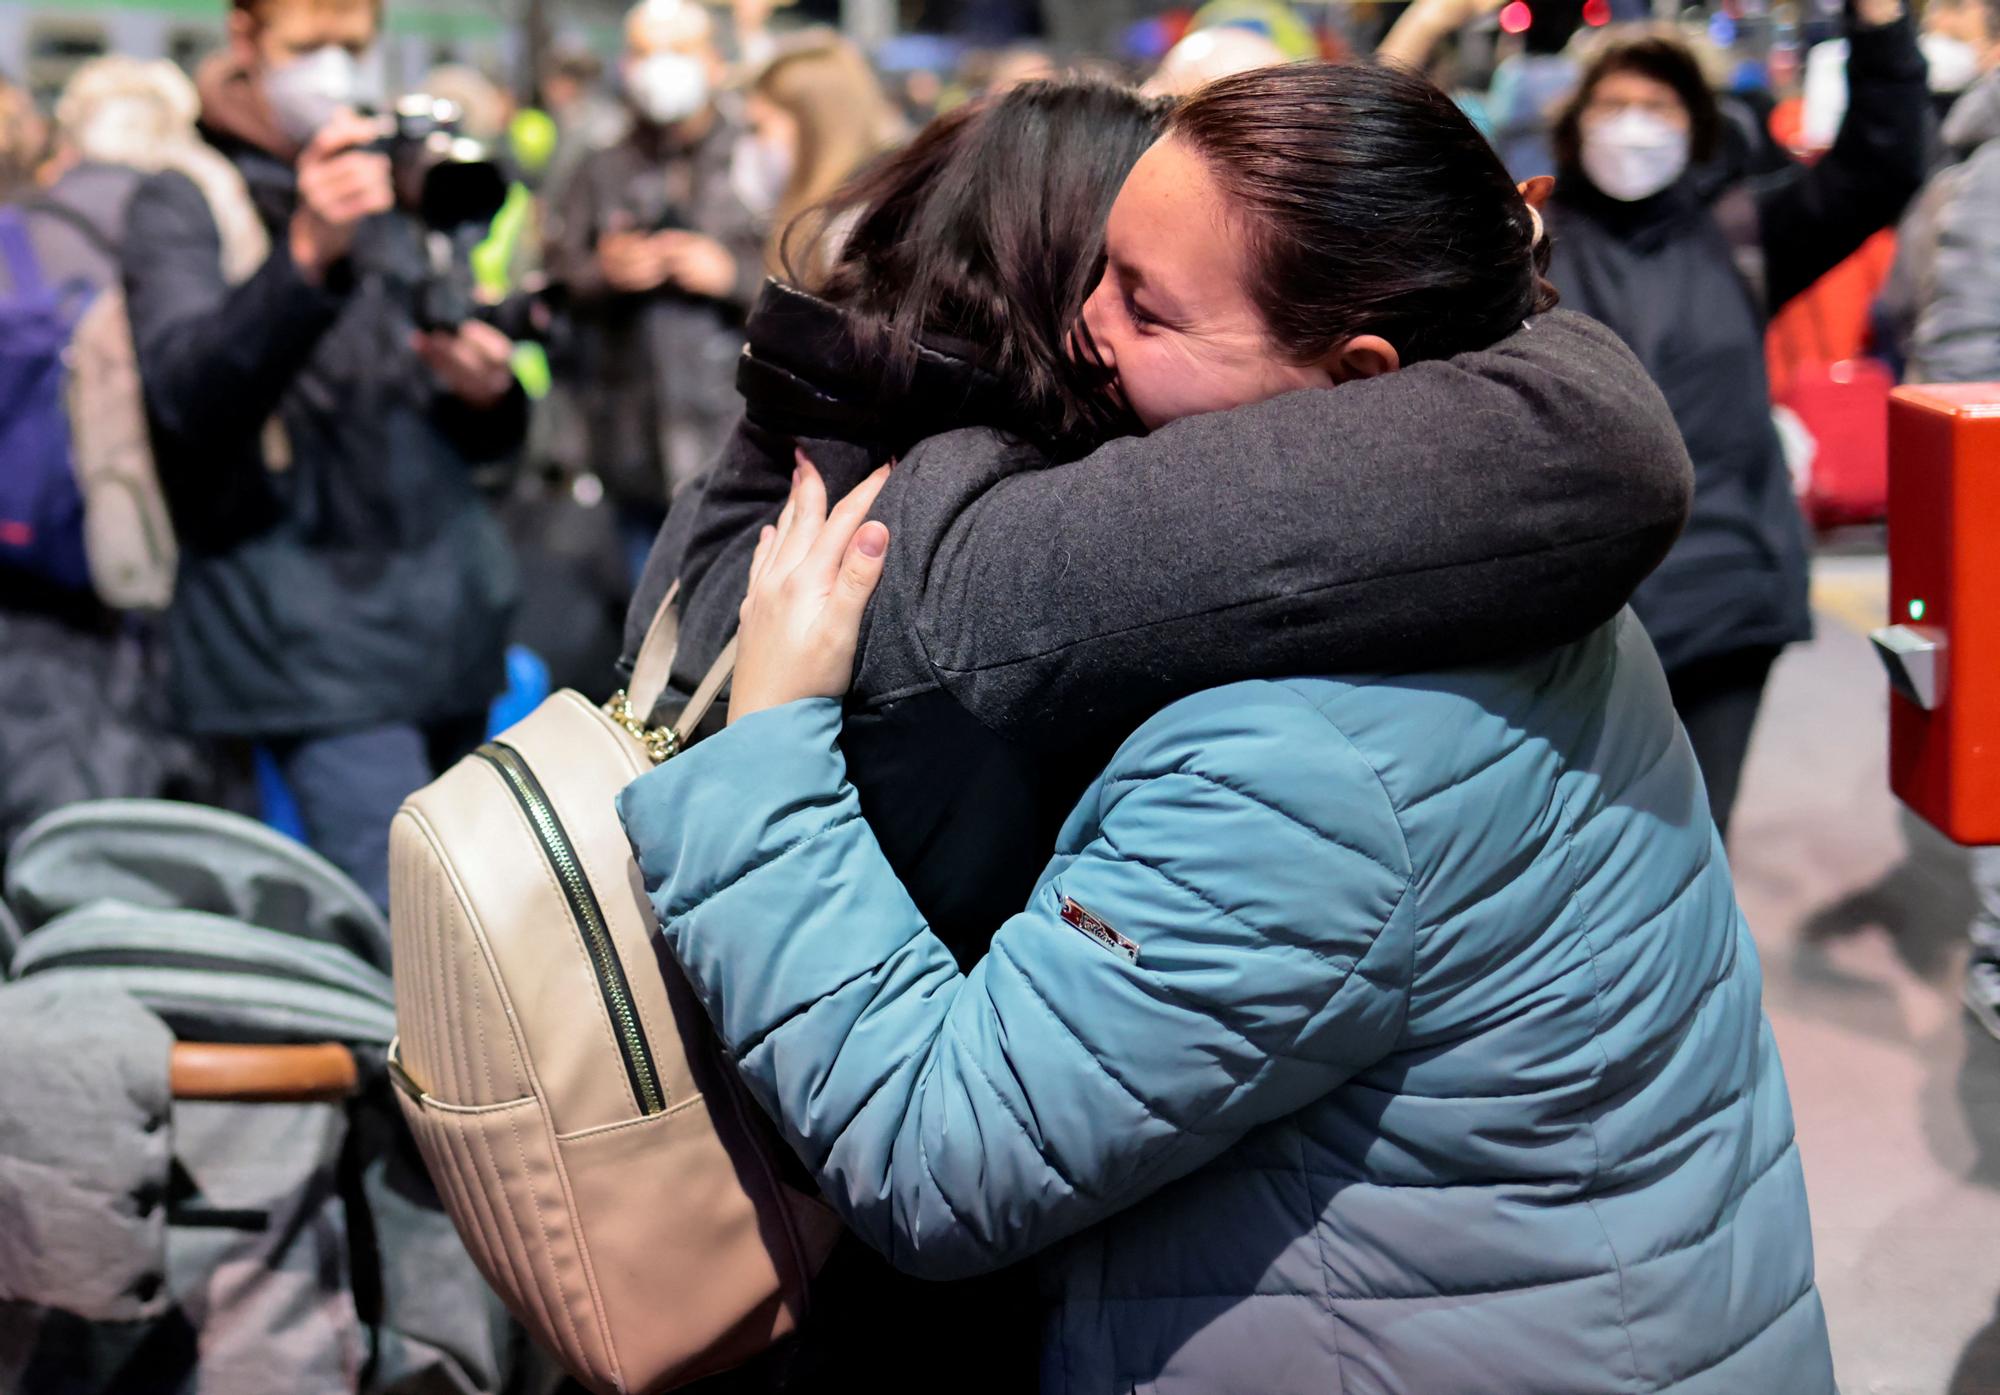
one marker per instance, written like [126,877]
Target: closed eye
[1138,315]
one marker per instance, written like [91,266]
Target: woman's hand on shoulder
[809,584]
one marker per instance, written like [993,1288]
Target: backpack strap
[17,250]
[77,221]
[650,672]
[655,661]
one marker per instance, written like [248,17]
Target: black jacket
[1688,279]
[1032,616]
[364,583]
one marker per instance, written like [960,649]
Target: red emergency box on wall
[1942,647]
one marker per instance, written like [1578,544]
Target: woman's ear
[1363,356]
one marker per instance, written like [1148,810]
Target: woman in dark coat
[1659,237]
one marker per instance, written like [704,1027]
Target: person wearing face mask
[1659,237]
[1958,40]
[343,593]
[819,114]
[661,257]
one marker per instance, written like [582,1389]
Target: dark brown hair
[987,231]
[1652,53]
[1372,206]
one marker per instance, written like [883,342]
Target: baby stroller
[205,1188]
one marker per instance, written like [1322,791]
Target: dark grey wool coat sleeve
[1455,511]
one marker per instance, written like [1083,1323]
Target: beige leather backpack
[600,1157]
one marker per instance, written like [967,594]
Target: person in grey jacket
[1950,248]
[1949,258]
[659,257]
[84,712]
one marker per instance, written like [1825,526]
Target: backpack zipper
[589,918]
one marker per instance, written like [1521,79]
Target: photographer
[343,592]
[661,257]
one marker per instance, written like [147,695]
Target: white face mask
[1634,155]
[1953,63]
[305,92]
[667,87]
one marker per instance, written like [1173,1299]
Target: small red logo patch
[1076,916]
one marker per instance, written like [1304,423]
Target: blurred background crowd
[615,186]
[307,485]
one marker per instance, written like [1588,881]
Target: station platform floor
[1860,914]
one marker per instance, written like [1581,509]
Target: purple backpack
[41,508]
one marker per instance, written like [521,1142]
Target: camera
[447,179]
[453,187]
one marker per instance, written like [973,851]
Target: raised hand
[809,584]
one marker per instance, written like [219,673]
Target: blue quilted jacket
[1362,1035]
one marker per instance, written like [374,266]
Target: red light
[1597,13]
[1516,18]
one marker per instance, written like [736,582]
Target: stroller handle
[262,1074]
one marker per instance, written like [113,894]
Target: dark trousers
[349,784]
[1717,699]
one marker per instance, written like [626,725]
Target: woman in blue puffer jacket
[1378,1033]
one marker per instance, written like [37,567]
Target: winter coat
[1664,273]
[366,581]
[1371,1034]
[1949,255]
[1031,617]
[83,714]
[654,374]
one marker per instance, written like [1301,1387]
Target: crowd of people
[1319,530]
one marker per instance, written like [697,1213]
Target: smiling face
[1173,316]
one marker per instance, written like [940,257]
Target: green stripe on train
[423,20]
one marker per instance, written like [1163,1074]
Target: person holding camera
[343,593]
[661,257]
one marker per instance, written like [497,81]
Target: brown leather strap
[262,1074]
